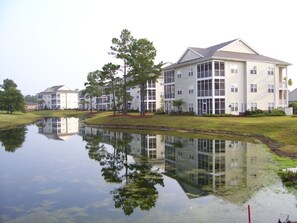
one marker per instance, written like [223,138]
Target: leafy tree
[290,82]
[143,68]
[110,80]
[178,103]
[121,50]
[8,83]
[294,106]
[11,99]
[31,98]
[92,86]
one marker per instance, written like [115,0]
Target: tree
[8,83]
[11,99]
[294,106]
[143,68]
[290,82]
[110,80]
[178,103]
[92,86]
[121,50]
[31,98]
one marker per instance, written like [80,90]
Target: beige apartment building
[228,78]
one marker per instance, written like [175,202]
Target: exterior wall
[235,81]
[186,84]
[262,97]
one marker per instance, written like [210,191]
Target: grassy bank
[17,119]
[281,130]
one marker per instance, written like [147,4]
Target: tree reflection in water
[138,180]
[12,139]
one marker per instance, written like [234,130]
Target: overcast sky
[57,42]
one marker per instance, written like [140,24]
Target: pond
[61,171]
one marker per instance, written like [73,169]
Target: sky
[44,43]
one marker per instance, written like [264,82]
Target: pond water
[61,171]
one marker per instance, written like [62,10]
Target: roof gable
[238,46]
[189,54]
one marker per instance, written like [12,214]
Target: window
[169,91]
[220,106]
[270,71]
[204,88]
[253,106]
[234,69]
[179,91]
[169,76]
[253,88]
[191,107]
[234,106]
[191,89]
[254,70]
[234,88]
[204,70]
[219,68]
[191,72]
[270,88]
[179,75]
[270,106]
[219,87]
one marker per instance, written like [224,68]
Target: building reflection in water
[230,169]
[58,128]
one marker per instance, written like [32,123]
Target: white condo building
[58,97]
[230,78]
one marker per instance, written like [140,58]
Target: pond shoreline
[273,145]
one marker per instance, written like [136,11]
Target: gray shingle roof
[216,52]
[55,89]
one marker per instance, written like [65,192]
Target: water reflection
[109,176]
[12,139]
[137,179]
[58,128]
[229,169]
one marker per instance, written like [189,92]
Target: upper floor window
[253,88]
[191,71]
[204,70]
[179,91]
[191,89]
[219,87]
[270,71]
[270,88]
[219,68]
[169,76]
[234,88]
[234,69]
[254,70]
[179,74]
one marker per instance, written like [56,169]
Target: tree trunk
[125,89]
[142,105]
